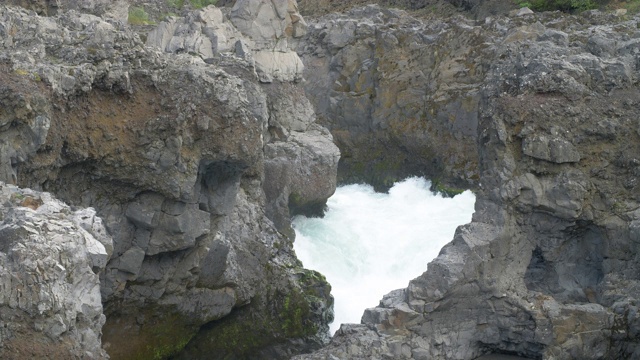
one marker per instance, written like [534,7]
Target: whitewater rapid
[370,243]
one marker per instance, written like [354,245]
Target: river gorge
[153,154]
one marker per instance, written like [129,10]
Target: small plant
[22,72]
[632,6]
[178,4]
[570,6]
[137,16]
[199,4]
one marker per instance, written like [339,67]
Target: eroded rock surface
[548,267]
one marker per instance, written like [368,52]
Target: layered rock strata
[548,267]
[189,158]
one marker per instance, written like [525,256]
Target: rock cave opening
[219,182]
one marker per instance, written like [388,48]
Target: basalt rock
[171,146]
[547,269]
[400,96]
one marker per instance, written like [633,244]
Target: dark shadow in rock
[570,269]
[219,185]
[501,357]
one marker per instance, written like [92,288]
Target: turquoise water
[370,243]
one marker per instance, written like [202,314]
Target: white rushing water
[370,243]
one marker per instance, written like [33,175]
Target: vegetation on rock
[138,16]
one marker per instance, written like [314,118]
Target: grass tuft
[137,16]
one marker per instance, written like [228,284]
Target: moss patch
[249,330]
[438,187]
[162,334]
[138,16]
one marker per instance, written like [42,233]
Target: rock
[393,107]
[167,144]
[521,12]
[195,151]
[257,31]
[204,32]
[131,260]
[557,150]
[117,10]
[546,268]
[295,175]
[560,38]
[275,65]
[50,303]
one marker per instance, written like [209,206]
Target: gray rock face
[548,267]
[297,152]
[50,257]
[117,9]
[171,150]
[258,31]
[294,173]
[395,104]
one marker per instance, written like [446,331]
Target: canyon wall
[548,268]
[190,147]
[399,95]
[196,141]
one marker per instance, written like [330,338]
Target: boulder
[51,261]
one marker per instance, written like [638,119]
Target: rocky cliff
[195,141]
[544,110]
[190,147]
[399,95]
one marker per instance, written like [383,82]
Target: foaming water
[370,243]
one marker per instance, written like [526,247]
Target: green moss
[23,72]
[162,336]
[166,339]
[314,284]
[571,6]
[199,4]
[439,187]
[138,16]
[381,172]
[17,196]
[243,333]
[178,4]
[632,6]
